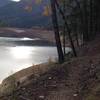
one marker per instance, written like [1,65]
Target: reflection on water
[21,52]
[3,39]
[19,57]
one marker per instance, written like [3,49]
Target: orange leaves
[47,10]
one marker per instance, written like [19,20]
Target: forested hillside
[24,13]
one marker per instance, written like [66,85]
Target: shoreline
[22,76]
[30,33]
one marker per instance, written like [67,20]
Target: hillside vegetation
[14,14]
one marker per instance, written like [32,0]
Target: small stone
[75,95]
[41,97]
[50,78]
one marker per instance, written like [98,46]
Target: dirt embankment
[30,33]
[76,79]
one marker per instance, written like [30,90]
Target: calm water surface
[14,58]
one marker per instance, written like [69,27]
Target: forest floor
[76,79]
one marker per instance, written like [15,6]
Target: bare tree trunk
[81,17]
[56,30]
[76,37]
[91,18]
[68,29]
[85,26]
[64,41]
[94,18]
[64,30]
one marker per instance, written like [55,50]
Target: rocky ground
[76,79]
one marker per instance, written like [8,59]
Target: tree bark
[85,23]
[68,29]
[56,30]
[64,30]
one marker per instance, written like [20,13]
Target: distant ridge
[15,15]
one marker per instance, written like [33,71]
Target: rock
[41,96]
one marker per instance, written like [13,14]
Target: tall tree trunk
[68,29]
[64,29]
[76,34]
[64,41]
[81,17]
[85,26]
[56,30]
[91,18]
[95,17]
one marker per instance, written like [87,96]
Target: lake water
[14,57]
